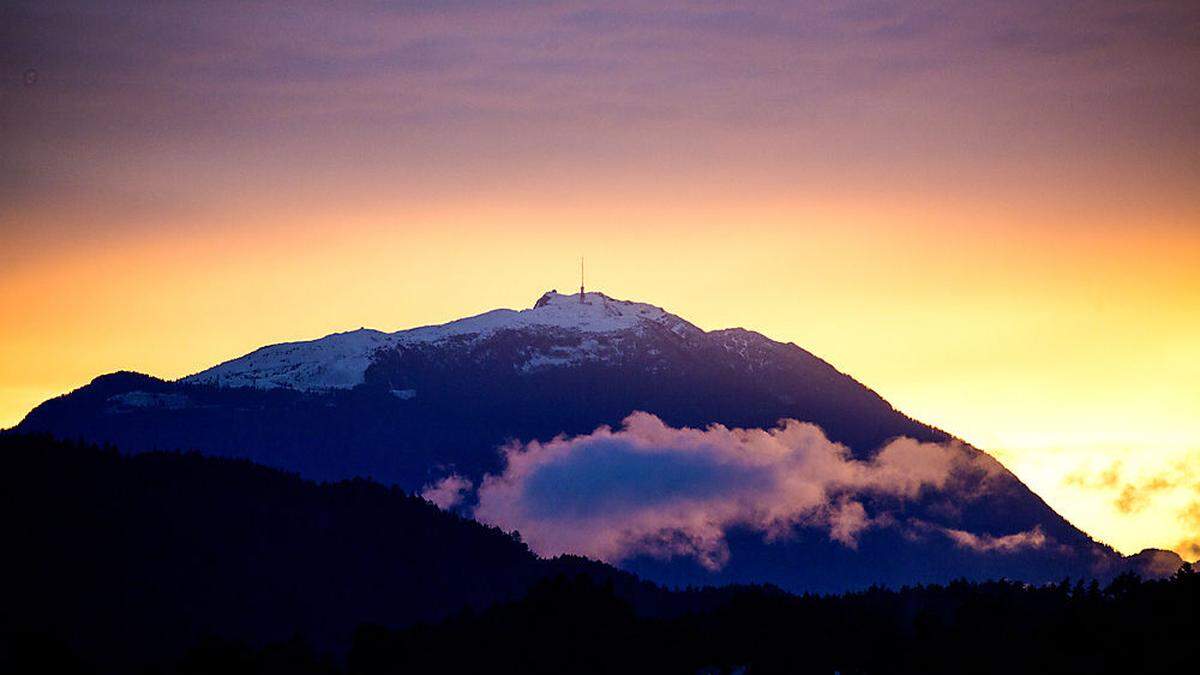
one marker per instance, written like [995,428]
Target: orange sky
[986,214]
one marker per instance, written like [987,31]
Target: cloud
[448,492]
[1134,494]
[1134,498]
[1154,487]
[1189,547]
[1107,479]
[1009,543]
[651,489]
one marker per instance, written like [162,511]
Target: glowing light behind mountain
[988,214]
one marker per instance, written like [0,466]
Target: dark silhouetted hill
[145,555]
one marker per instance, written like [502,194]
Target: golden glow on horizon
[1064,347]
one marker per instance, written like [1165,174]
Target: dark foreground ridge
[579,626]
[179,563]
[137,557]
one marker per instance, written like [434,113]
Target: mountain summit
[622,431]
[340,361]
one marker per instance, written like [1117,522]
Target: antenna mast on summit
[581,280]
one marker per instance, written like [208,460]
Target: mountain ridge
[343,357]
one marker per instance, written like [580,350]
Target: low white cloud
[448,492]
[1008,543]
[651,489]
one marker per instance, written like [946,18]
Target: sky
[986,211]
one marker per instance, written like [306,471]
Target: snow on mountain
[339,361]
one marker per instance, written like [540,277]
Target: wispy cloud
[1189,546]
[448,492]
[1008,543]
[1134,493]
[1173,489]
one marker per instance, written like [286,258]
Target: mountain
[400,407]
[462,402]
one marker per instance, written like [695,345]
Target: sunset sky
[988,212]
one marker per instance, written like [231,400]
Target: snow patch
[334,362]
[147,399]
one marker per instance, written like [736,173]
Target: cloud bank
[651,489]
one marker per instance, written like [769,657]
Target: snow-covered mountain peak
[593,313]
[339,361]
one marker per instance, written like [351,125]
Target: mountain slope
[413,407]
